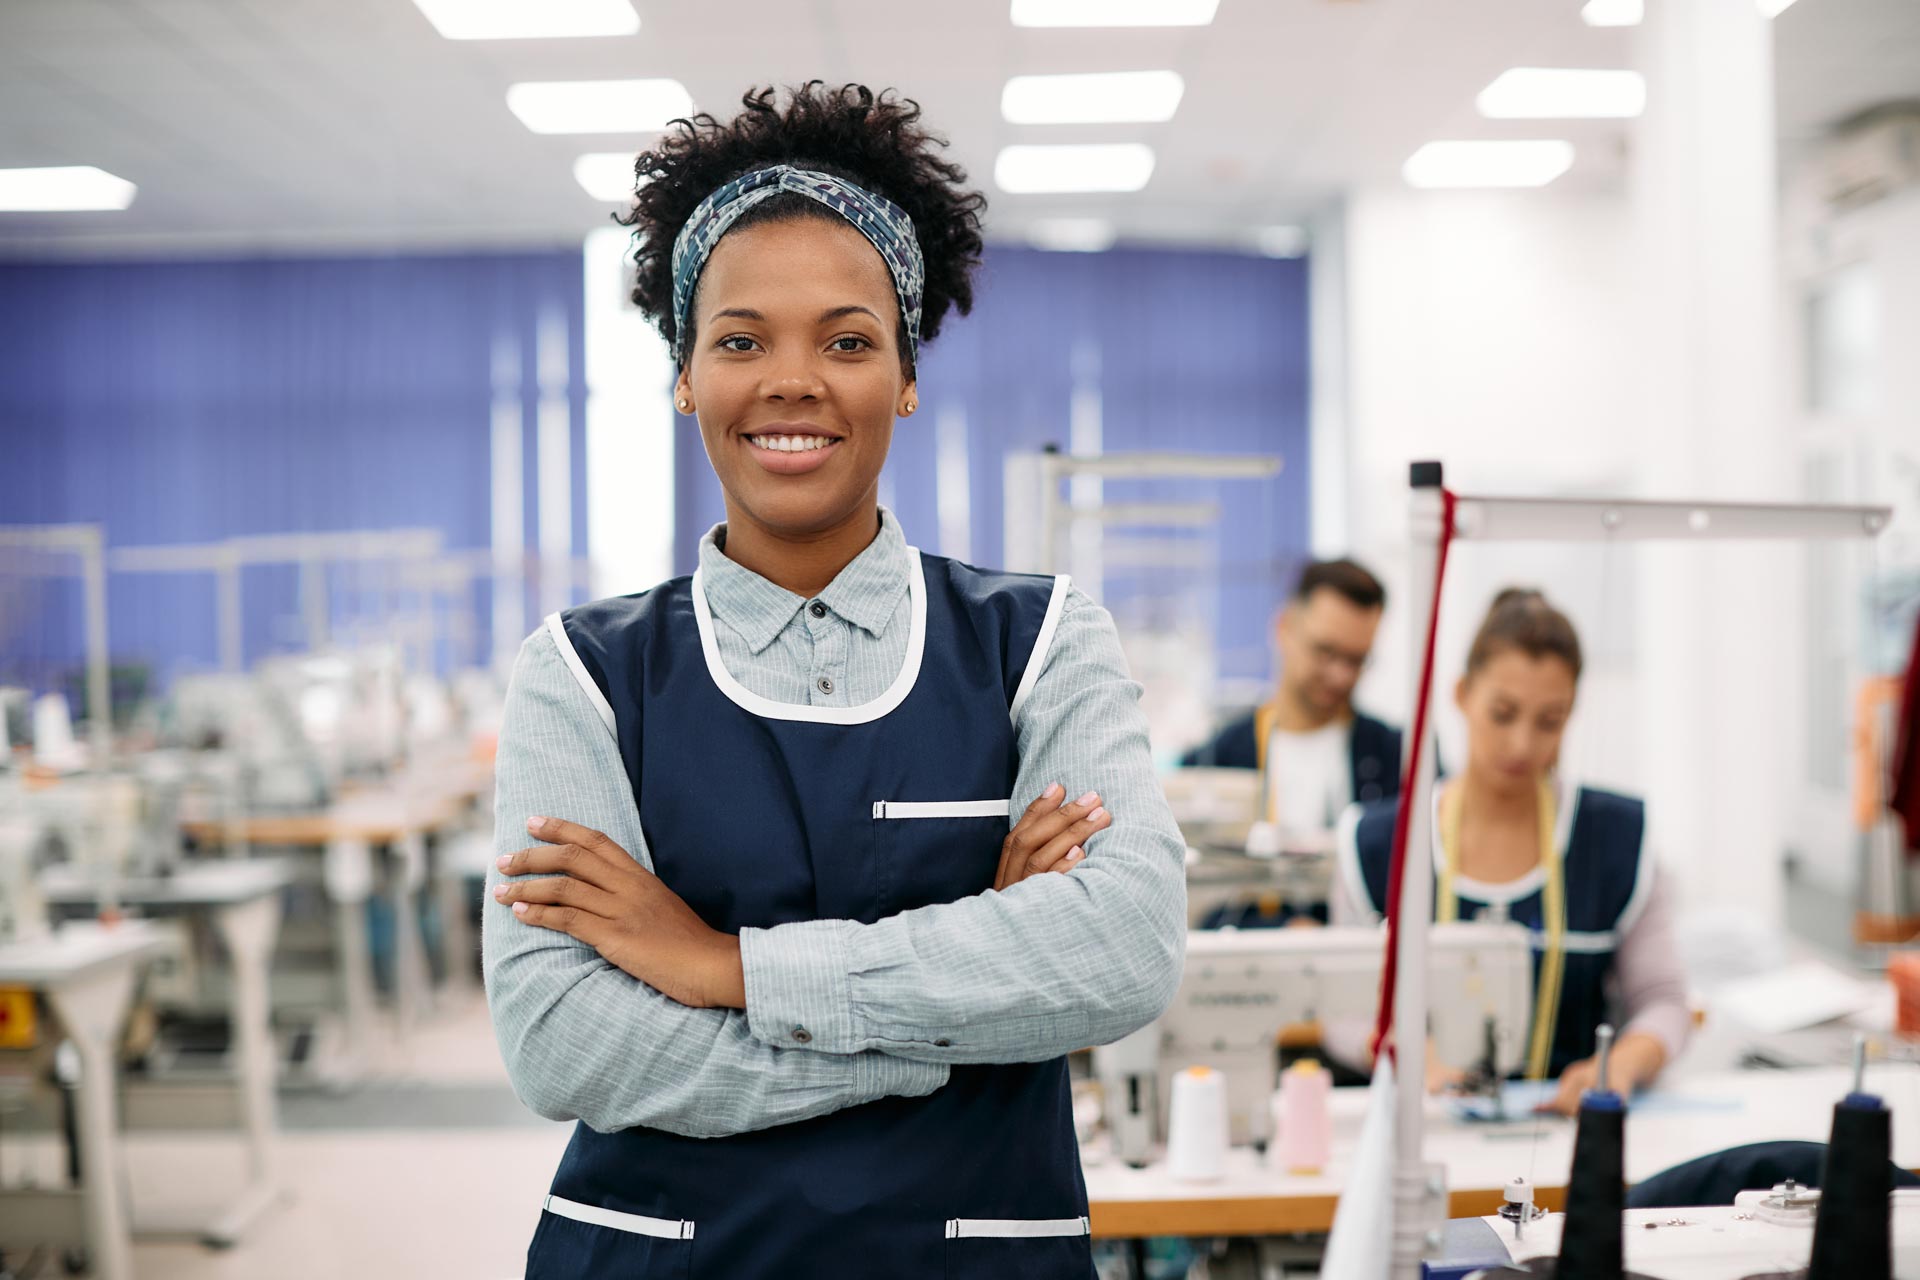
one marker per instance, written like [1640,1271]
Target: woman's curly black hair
[875,140]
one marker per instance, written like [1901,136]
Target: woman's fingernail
[499,893]
[534,824]
[1076,854]
[1053,789]
[1098,815]
[504,861]
[1088,798]
[519,908]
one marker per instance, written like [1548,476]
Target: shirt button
[943,1043]
[825,685]
[802,1035]
[817,609]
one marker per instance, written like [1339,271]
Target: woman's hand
[1441,1078]
[592,889]
[1050,836]
[1636,1059]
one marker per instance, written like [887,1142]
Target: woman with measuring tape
[1569,862]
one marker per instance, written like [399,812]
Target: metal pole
[314,601]
[1412,1195]
[228,586]
[93,568]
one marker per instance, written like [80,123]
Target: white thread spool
[1197,1128]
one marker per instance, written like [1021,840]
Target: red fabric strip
[1403,817]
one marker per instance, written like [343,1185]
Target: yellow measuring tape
[1263,721]
[1553,907]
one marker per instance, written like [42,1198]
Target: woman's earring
[682,402]
[908,412]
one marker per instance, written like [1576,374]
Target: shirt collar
[865,593]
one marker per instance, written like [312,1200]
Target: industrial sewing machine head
[1242,988]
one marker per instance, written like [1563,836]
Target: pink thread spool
[1302,1123]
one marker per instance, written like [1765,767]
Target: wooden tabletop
[210,883]
[75,950]
[1691,1117]
[423,799]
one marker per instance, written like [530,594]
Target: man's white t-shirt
[1309,778]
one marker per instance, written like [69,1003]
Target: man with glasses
[1315,752]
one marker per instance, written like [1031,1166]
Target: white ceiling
[252,124]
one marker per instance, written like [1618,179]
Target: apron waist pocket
[634,1223]
[1016,1228]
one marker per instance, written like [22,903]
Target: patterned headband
[876,217]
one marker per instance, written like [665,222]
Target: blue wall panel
[187,401]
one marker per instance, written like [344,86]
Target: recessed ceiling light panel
[607,176]
[1108,97]
[1122,166]
[599,106]
[1530,163]
[1563,93]
[529,19]
[63,189]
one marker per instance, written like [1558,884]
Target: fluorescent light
[1113,13]
[1119,166]
[1071,235]
[1108,97]
[1282,242]
[598,106]
[526,20]
[62,189]
[1613,13]
[607,175]
[1488,164]
[1561,93]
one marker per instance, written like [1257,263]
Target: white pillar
[1714,755]
[554,445]
[509,523]
[1086,438]
[630,428]
[1329,474]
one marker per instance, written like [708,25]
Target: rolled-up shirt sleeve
[1648,976]
[581,1038]
[1055,963]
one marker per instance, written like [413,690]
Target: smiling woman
[795,297]
[798,374]
[812,920]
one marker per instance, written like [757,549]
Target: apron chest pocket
[902,809]
[575,1240]
[928,852]
[1040,1248]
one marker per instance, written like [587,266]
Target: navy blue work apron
[760,814]
[1602,868]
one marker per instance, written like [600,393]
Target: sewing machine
[1242,988]
[23,912]
[1759,1234]
[299,726]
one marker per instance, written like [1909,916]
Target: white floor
[394,1203]
[378,1200]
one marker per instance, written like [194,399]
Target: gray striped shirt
[1053,964]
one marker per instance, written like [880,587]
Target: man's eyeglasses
[1328,655]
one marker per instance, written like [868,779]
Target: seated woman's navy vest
[759,814]
[1607,879]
